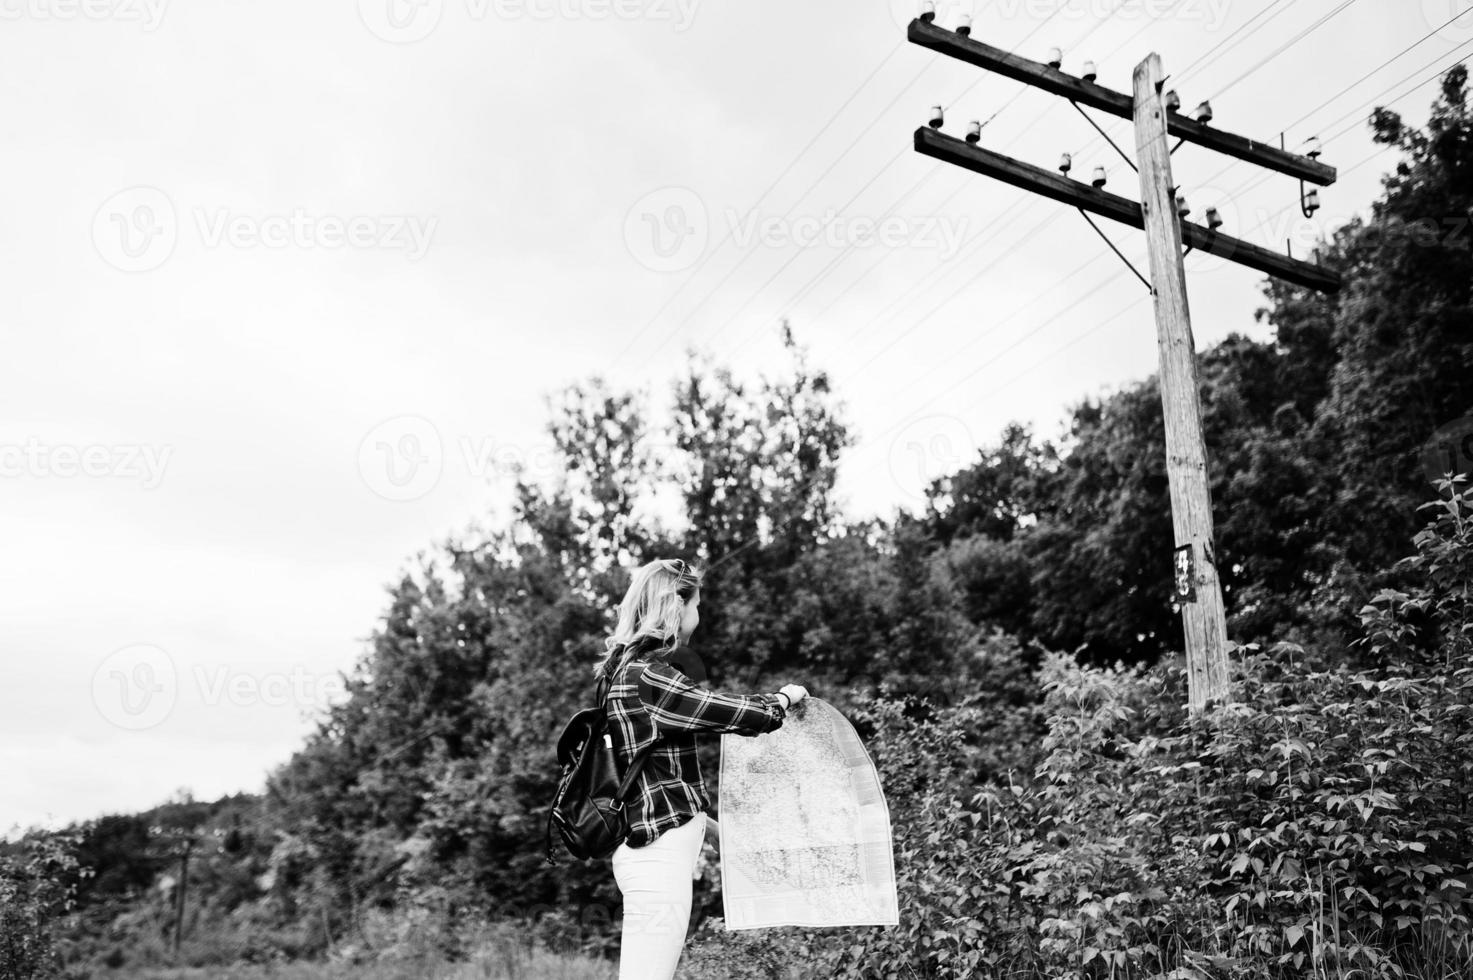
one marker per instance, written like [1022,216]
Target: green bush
[1317,824]
[32,898]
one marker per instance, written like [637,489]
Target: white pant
[655,881]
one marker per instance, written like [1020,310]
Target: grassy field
[511,966]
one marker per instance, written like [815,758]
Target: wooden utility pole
[1198,588]
[183,884]
[1203,620]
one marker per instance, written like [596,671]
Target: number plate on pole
[1185,567]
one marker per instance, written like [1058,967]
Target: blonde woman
[668,817]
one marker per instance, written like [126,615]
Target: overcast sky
[288,282]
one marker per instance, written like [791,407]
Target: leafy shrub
[1316,824]
[32,897]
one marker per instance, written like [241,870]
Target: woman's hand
[713,833]
[794,693]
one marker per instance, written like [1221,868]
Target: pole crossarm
[1072,192]
[1039,75]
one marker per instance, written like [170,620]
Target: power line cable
[833,117]
[801,197]
[965,283]
[1355,84]
[1058,10]
[1285,46]
[1357,110]
[1222,47]
[905,420]
[974,240]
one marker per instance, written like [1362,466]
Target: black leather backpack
[588,807]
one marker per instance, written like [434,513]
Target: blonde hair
[652,609]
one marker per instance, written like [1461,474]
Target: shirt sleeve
[680,704]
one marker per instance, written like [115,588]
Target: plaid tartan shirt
[671,789]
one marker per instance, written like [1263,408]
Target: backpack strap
[637,763]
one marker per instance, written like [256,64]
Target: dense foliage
[1318,824]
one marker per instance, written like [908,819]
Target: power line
[1101,284]
[1360,81]
[1047,358]
[1060,9]
[1016,376]
[974,240]
[882,256]
[964,285]
[1438,73]
[973,244]
[1324,19]
[796,255]
[1361,107]
[1206,58]
[833,117]
[1140,299]
[1417,43]
[1374,155]
[1285,46]
[801,197]
[837,260]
